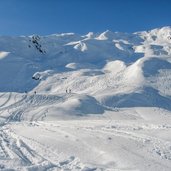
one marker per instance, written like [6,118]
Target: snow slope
[99,101]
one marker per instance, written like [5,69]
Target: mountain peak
[106,35]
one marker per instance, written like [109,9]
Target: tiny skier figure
[66,91]
[69,90]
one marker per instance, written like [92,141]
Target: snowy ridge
[83,102]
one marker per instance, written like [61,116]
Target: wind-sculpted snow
[95,102]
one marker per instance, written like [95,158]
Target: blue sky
[25,17]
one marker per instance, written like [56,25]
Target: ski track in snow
[7,100]
[156,147]
[15,149]
[27,152]
[22,151]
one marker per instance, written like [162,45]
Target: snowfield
[95,102]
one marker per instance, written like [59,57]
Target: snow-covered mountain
[99,101]
[117,69]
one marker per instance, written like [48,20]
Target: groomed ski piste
[95,102]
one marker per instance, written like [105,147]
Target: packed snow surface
[94,102]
